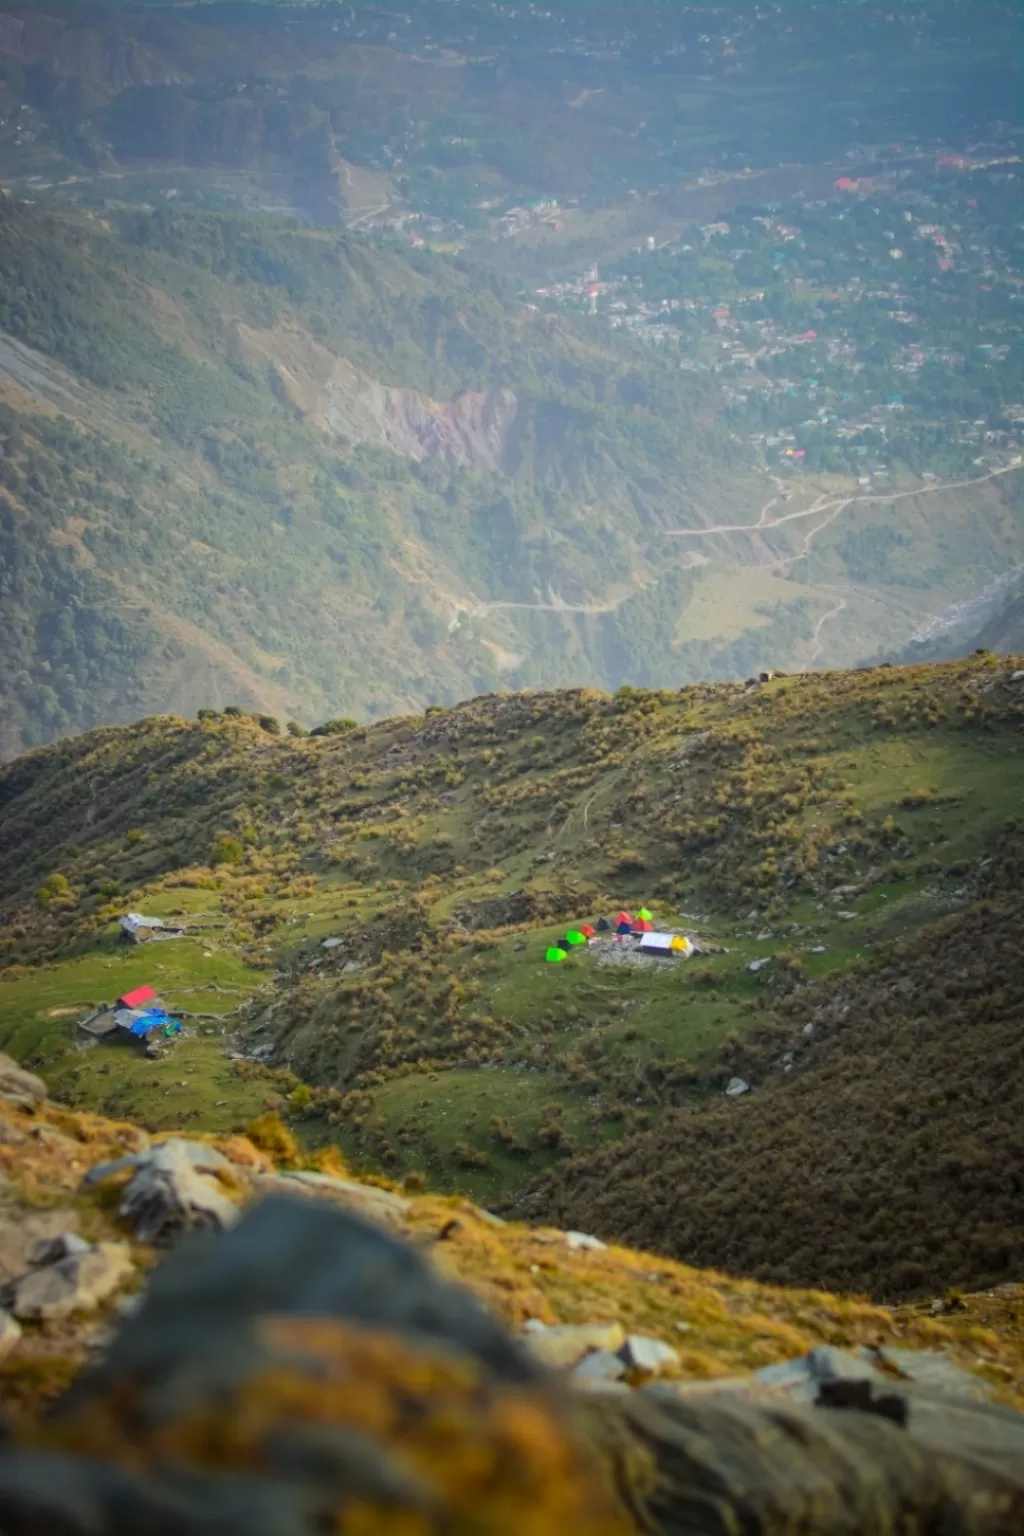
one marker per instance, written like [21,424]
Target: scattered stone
[582,1242]
[643,1354]
[818,949]
[736,1086]
[929,1369]
[78,1283]
[174,1187]
[566,1344]
[20,1087]
[598,1368]
[809,1029]
[332,943]
[802,1377]
[50,1250]
[759,965]
[22,1232]
[1018,676]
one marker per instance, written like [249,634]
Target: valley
[419,356]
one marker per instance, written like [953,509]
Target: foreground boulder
[73,1282]
[306,1371]
[174,1187]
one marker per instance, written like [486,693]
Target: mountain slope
[888,1158]
[800,828]
[345,475]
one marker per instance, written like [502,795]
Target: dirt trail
[822,504]
[816,642]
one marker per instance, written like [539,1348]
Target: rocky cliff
[347,403]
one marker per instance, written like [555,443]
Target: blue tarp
[154,1019]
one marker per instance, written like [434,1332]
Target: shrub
[226,850]
[234,711]
[295,729]
[269,1133]
[340,727]
[55,892]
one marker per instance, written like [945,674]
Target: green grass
[875,794]
[40,1008]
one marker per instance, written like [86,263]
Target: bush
[269,1133]
[234,712]
[340,727]
[270,724]
[55,892]
[295,729]
[226,850]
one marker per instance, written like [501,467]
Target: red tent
[587,931]
[137,998]
[643,927]
[624,917]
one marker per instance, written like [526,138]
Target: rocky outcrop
[174,1187]
[307,1367]
[92,54]
[347,403]
[79,1281]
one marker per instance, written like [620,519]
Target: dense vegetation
[811,822]
[889,1160]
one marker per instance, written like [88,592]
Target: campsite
[624,940]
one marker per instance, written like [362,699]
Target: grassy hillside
[816,820]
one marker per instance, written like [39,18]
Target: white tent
[134,922]
[665,944]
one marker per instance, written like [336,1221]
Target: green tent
[644,915]
[575,938]
[554,955]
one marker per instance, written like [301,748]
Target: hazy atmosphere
[511,768]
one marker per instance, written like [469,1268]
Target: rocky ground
[595,1387]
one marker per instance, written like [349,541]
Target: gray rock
[643,1354]
[332,943]
[932,1371]
[802,1378]
[1017,677]
[378,1204]
[50,1250]
[582,1242]
[174,1187]
[10,1333]
[21,1232]
[597,1369]
[18,1086]
[79,1283]
[735,1086]
[758,965]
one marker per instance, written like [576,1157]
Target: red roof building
[136,999]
